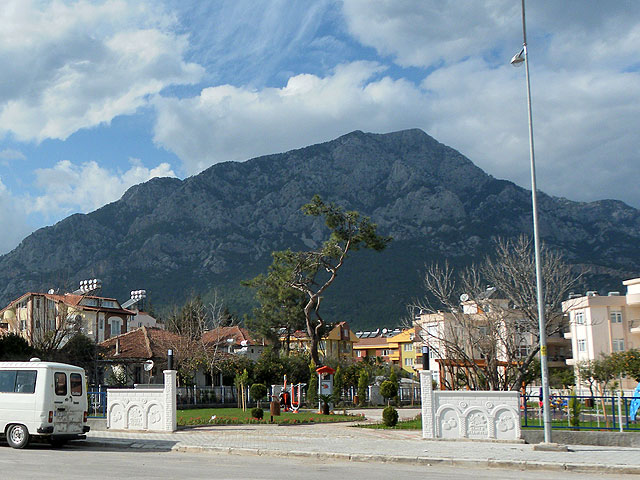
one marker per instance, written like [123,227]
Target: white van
[42,399]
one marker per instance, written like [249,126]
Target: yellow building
[338,343]
[403,352]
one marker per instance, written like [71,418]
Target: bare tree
[52,328]
[487,337]
[200,341]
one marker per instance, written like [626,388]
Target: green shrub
[390,416]
[574,410]
[388,389]
[257,413]
[257,392]
[363,384]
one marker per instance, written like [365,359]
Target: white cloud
[80,64]
[584,126]
[423,33]
[584,76]
[236,123]
[9,154]
[68,188]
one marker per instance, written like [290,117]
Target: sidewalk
[344,442]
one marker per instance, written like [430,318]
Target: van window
[76,384]
[26,381]
[7,380]
[60,382]
[18,381]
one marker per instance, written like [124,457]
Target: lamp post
[517,60]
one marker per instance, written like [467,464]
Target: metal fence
[195,395]
[581,412]
[97,404]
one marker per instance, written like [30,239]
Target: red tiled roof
[221,334]
[144,342]
[370,342]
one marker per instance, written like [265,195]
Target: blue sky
[97,96]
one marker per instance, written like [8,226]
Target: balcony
[568,335]
[570,361]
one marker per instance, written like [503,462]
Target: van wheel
[17,436]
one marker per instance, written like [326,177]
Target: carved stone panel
[477,425]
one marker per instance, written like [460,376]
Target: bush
[257,392]
[388,389]
[390,416]
[363,384]
[257,413]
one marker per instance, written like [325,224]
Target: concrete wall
[478,415]
[571,437]
[144,408]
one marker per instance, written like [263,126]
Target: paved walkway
[345,442]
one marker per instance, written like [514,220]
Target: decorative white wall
[478,415]
[144,408]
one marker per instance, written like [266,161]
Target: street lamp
[518,60]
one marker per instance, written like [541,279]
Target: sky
[97,96]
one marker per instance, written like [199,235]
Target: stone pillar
[426,388]
[170,407]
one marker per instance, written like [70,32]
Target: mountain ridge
[210,230]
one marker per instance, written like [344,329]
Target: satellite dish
[148,365]
[51,291]
[464,297]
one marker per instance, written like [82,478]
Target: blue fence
[581,412]
[97,404]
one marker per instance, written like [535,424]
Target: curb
[426,461]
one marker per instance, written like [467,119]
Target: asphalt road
[83,462]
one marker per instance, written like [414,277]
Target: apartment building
[604,324]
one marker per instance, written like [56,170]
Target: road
[81,462]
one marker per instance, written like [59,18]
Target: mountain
[172,237]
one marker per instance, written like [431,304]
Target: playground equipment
[289,395]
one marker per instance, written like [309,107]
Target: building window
[386,352]
[23,324]
[359,354]
[616,317]
[408,347]
[582,345]
[116,326]
[579,318]
[523,351]
[618,345]
[408,362]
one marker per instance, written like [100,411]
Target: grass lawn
[413,424]
[235,416]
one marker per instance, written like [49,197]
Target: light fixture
[518,59]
